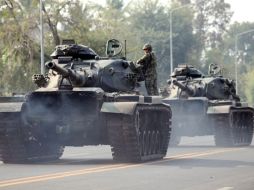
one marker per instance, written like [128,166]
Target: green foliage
[248,83]
[211,22]
[18,52]
[245,42]
[184,41]
[244,59]
[201,35]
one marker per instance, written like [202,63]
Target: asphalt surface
[194,165]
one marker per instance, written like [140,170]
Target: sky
[243,9]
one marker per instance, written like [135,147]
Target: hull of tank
[51,120]
[231,125]
[71,118]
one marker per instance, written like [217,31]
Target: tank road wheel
[244,128]
[235,129]
[142,142]
[148,143]
[153,140]
[157,142]
[142,136]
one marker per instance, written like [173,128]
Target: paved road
[195,165]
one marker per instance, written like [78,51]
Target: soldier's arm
[143,59]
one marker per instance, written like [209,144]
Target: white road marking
[226,188]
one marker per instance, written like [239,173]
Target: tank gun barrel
[53,66]
[75,77]
[187,89]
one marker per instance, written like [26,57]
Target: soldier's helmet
[147,47]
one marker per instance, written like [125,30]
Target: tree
[211,22]
[19,50]
[245,42]
[248,90]
[245,55]
[183,38]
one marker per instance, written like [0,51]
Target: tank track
[12,149]
[235,128]
[16,148]
[142,136]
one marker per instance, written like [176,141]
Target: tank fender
[119,107]
[218,109]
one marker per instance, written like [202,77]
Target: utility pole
[42,38]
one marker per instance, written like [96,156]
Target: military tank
[208,105]
[86,99]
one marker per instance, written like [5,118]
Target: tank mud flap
[141,136]
[234,128]
[119,107]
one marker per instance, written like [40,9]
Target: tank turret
[188,81]
[111,74]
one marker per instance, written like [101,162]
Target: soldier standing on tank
[149,64]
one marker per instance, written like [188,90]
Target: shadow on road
[193,146]
[206,146]
[76,161]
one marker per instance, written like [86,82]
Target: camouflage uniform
[148,61]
